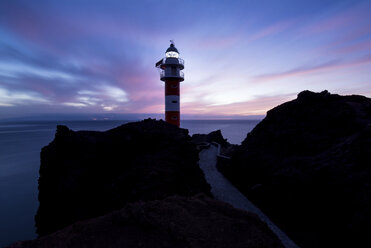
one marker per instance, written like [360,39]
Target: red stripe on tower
[171,73]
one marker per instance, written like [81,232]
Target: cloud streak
[241,58]
[329,66]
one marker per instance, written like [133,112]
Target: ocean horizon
[20,146]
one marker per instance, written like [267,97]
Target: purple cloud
[99,56]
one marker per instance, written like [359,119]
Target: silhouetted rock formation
[215,136]
[307,165]
[172,222]
[86,174]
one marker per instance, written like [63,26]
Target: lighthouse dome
[172,52]
[172,48]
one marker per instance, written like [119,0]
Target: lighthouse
[171,73]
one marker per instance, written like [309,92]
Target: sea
[20,146]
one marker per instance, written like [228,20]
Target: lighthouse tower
[170,72]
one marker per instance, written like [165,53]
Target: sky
[241,57]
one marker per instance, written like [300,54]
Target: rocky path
[223,190]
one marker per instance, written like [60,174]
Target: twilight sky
[241,57]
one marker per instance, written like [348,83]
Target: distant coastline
[122,117]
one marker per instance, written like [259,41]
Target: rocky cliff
[173,222]
[307,165]
[85,174]
[138,185]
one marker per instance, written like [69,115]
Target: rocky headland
[138,185]
[307,165]
[86,174]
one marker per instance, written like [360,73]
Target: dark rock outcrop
[203,140]
[307,165]
[215,136]
[172,222]
[86,174]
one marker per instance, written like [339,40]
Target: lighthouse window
[174,118]
[174,101]
[172,54]
[174,86]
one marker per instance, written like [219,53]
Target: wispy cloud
[12,98]
[328,66]
[99,56]
[354,16]
[271,30]
[259,105]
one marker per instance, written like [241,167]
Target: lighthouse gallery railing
[169,74]
[180,61]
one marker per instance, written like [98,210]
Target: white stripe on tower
[172,103]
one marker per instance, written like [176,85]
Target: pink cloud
[271,30]
[362,89]
[259,106]
[361,46]
[349,41]
[350,18]
[332,65]
[352,35]
[158,108]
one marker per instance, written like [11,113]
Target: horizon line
[123,117]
